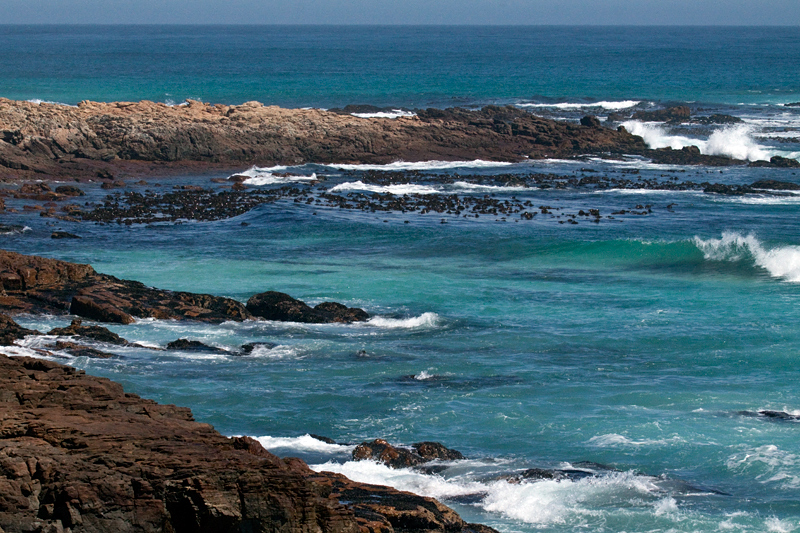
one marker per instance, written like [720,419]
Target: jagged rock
[97,333]
[273,305]
[718,119]
[689,155]
[87,307]
[10,331]
[383,452]
[78,452]
[435,450]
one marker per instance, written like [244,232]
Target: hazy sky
[671,12]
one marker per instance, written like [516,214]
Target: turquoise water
[642,343]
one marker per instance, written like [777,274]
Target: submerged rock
[79,350]
[193,346]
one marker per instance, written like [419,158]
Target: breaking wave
[780,262]
[426,165]
[611,106]
[430,320]
[272,175]
[400,189]
[394,113]
[734,141]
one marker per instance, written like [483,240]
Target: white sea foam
[37,101]
[269,176]
[429,320]
[781,262]
[733,141]
[399,189]
[776,525]
[541,502]
[424,375]
[613,440]
[426,165]
[475,187]
[394,113]
[611,106]
[305,443]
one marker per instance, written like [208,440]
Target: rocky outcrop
[273,305]
[96,333]
[397,457]
[78,452]
[777,162]
[671,115]
[10,331]
[101,139]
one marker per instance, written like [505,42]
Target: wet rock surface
[96,333]
[10,331]
[273,305]
[397,457]
[78,452]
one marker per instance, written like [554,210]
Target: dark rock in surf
[435,450]
[777,162]
[671,115]
[320,438]
[186,345]
[779,415]
[248,348]
[689,155]
[69,190]
[97,333]
[381,451]
[78,350]
[717,119]
[10,331]
[273,305]
[775,185]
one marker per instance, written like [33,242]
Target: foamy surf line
[271,175]
[540,502]
[425,165]
[780,262]
[394,113]
[304,443]
[399,189]
[611,106]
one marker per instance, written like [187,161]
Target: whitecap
[304,443]
[780,262]
[399,189]
[269,176]
[425,165]
[424,320]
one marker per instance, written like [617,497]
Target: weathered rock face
[97,333]
[97,137]
[273,305]
[78,452]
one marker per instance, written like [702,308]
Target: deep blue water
[637,342]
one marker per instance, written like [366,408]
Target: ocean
[635,352]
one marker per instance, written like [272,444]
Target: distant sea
[635,355]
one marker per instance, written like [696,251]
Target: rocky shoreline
[105,140]
[79,454]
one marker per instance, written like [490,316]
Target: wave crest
[780,262]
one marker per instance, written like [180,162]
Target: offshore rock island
[91,139]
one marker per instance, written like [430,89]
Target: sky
[496,12]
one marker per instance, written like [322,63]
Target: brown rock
[97,333]
[87,307]
[77,451]
[11,331]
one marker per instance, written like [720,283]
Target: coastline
[139,139]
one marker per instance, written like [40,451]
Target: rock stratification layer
[79,454]
[94,137]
